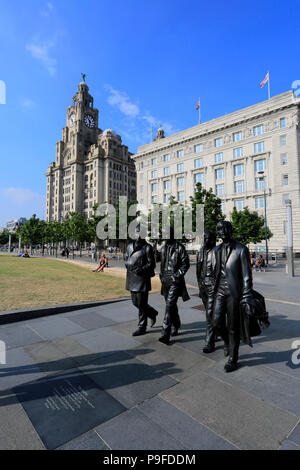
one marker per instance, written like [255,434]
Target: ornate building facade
[246,157]
[91,166]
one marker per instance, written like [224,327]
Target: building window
[219,142]
[179,153]
[223,207]
[141,189]
[239,170]
[166,158]
[180,195]
[283,140]
[237,136]
[154,161]
[219,173]
[285,198]
[167,184]
[239,186]
[154,174]
[199,177]
[260,183]
[220,189]
[238,152]
[239,204]
[258,130]
[166,171]
[259,202]
[154,199]
[166,198]
[285,180]
[219,157]
[282,123]
[198,162]
[180,182]
[154,187]
[284,158]
[180,167]
[260,165]
[259,147]
[198,148]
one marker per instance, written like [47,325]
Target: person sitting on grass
[26,255]
[102,263]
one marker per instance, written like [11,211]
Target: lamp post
[263,179]
[290,258]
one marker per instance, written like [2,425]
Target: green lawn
[36,282]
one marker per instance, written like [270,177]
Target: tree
[30,231]
[75,228]
[212,207]
[248,226]
[4,237]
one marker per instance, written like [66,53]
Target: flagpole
[269,84]
[199,111]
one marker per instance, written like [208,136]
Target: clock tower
[91,166]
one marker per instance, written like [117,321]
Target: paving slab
[16,336]
[267,384]
[19,368]
[87,441]
[192,434]
[295,435]
[73,349]
[127,379]
[90,320]
[49,358]
[133,430]
[237,416]
[105,341]
[65,405]
[289,445]
[56,327]
[186,362]
[16,430]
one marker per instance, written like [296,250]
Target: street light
[263,178]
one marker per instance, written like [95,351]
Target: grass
[37,282]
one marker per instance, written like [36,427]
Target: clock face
[89,121]
[72,120]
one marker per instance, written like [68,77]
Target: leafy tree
[30,231]
[248,226]
[4,237]
[75,229]
[212,207]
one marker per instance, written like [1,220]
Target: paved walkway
[79,380]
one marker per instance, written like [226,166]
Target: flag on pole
[265,80]
[198,105]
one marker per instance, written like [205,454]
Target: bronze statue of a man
[233,284]
[206,283]
[173,267]
[140,264]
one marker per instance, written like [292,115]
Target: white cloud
[47,9]
[41,51]
[20,202]
[122,101]
[27,103]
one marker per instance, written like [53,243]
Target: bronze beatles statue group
[234,310]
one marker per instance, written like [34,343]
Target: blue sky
[146,62]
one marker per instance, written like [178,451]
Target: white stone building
[91,166]
[236,155]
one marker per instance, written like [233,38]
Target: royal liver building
[91,166]
[246,157]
